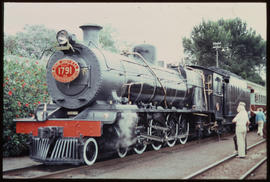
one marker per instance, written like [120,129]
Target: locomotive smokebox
[147,51]
[91,34]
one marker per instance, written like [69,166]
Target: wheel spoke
[90,151]
[122,151]
[183,130]
[173,132]
[155,144]
[140,146]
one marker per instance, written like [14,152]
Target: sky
[161,24]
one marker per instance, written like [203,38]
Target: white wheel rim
[172,142]
[139,147]
[93,143]
[120,153]
[155,146]
[184,140]
[140,151]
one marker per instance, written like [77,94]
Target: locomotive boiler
[106,102]
[81,76]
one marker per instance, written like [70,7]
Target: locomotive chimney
[91,34]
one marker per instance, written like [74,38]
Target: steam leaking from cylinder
[127,125]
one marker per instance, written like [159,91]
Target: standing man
[260,119]
[241,120]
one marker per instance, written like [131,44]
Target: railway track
[46,171]
[256,166]
[205,173]
[35,171]
[43,171]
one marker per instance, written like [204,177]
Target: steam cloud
[127,125]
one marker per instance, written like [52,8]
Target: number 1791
[64,70]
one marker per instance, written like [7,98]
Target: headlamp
[62,37]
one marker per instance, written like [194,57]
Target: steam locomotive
[107,102]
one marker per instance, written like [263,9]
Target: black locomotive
[106,102]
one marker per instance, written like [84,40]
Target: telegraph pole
[216,45]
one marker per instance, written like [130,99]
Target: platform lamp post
[217,45]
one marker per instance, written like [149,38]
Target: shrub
[24,87]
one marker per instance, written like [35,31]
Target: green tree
[109,40]
[34,40]
[106,38]
[10,43]
[243,51]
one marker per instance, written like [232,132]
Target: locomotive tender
[106,102]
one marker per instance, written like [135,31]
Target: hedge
[24,87]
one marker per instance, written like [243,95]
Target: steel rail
[85,167]
[59,172]
[21,171]
[219,162]
[10,171]
[7,173]
[253,168]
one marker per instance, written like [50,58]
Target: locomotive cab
[224,91]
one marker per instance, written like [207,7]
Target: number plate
[65,70]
